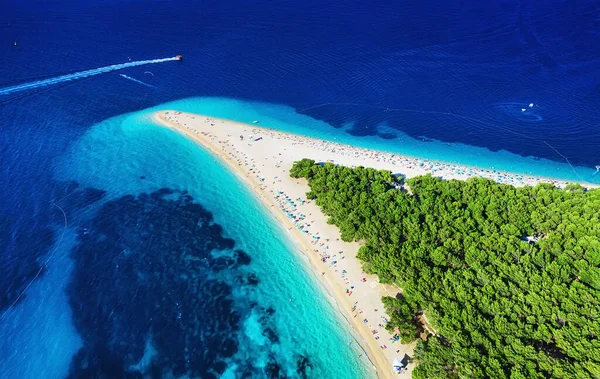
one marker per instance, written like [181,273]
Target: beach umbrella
[397,364]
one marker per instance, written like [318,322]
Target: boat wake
[137,81]
[80,75]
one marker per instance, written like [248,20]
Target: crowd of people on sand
[433,167]
[294,210]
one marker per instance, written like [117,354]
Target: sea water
[136,193]
[287,119]
[284,322]
[428,79]
[37,336]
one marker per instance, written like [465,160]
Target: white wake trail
[79,75]
[137,81]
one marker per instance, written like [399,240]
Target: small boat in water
[255,122]
[179,57]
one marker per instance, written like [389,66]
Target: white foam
[79,75]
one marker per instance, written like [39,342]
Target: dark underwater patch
[387,136]
[303,366]
[273,369]
[146,270]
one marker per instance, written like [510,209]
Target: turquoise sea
[288,119]
[127,251]
[285,324]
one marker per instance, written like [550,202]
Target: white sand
[264,158]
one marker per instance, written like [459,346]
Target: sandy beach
[263,157]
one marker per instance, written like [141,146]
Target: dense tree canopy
[501,307]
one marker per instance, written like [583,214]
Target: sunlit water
[285,323]
[426,79]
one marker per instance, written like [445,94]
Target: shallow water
[130,156]
[425,79]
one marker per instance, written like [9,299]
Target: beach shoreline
[441,168]
[262,157]
[332,283]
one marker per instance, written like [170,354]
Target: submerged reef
[153,294]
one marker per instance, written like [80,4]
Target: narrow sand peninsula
[263,157]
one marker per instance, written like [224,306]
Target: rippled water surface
[87,210]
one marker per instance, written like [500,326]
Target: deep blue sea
[127,251]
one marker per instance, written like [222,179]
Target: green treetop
[503,305]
